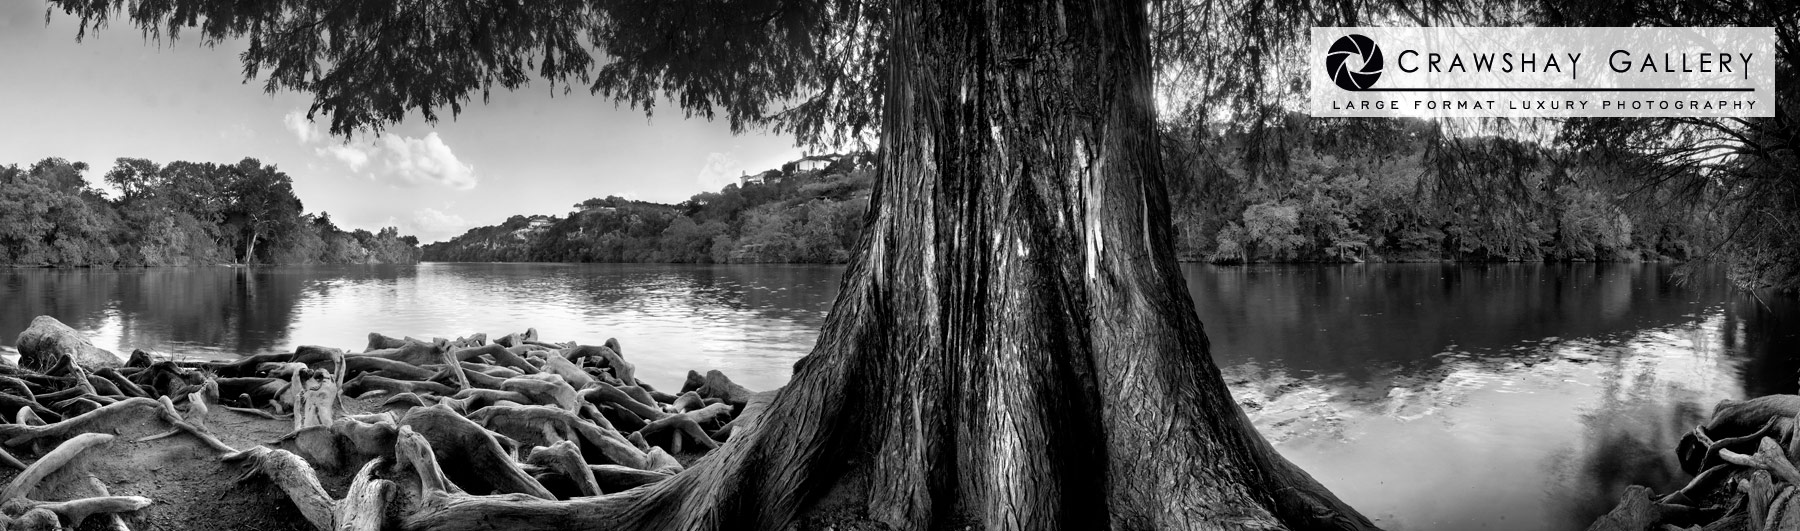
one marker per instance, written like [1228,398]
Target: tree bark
[250,250]
[1015,348]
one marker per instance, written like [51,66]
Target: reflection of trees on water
[1356,320]
[789,293]
[1629,437]
[1412,342]
[1767,333]
[179,310]
[1648,401]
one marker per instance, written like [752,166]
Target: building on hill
[767,177]
[811,163]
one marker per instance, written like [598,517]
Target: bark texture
[1015,349]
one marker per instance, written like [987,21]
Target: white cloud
[720,169]
[399,159]
[424,161]
[356,157]
[302,128]
[431,224]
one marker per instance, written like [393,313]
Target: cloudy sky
[115,95]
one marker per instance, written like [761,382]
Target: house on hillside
[767,177]
[536,225]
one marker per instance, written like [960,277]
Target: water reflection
[752,321]
[1520,396]
[1487,396]
[1768,331]
[217,310]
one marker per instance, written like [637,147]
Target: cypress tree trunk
[1015,347]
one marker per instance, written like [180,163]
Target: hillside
[809,211]
[1371,190]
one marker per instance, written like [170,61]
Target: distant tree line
[789,215]
[1349,192]
[1373,189]
[181,213]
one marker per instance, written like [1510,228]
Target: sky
[535,151]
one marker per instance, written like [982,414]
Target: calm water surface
[1428,396]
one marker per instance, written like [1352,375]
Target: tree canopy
[1224,68]
[802,66]
[181,213]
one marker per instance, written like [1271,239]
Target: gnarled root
[1636,512]
[615,478]
[347,442]
[1763,498]
[364,508]
[689,425]
[565,458]
[105,420]
[366,382]
[486,465]
[1769,456]
[545,425]
[22,512]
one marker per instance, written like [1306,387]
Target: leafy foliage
[183,213]
[803,66]
[795,216]
[1354,198]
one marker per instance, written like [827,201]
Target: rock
[48,340]
[139,359]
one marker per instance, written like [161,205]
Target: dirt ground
[191,488]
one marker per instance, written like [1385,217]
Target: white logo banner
[1543,72]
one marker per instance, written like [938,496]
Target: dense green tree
[1748,168]
[182,213]
[823,208]
[1734,180]
[50,216]
[261,204]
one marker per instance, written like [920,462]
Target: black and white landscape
[850,264]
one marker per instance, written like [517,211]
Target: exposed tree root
[19,511]
[7,459]
[366,382]
[364,508]
[565,458]
[1759,488]
[484,465]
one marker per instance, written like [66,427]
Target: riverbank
[321,438]
[1319,349]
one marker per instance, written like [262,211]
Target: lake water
[1429,396]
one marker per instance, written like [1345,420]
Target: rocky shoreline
[322,438]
